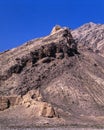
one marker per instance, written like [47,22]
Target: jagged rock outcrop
[52,80]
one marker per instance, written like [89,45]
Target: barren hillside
[53,81]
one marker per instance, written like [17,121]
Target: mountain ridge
[91,35]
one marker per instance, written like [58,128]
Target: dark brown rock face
[50,81]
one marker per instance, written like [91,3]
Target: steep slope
[91,35]
[48,81]
[33,56]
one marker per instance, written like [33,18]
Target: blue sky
[23,20]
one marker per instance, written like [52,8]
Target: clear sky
[23,20]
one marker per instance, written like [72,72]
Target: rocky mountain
[54,80]
[91,35]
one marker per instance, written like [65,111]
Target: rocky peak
[87,26]
[90,35]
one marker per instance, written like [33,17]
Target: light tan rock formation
[55,29]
